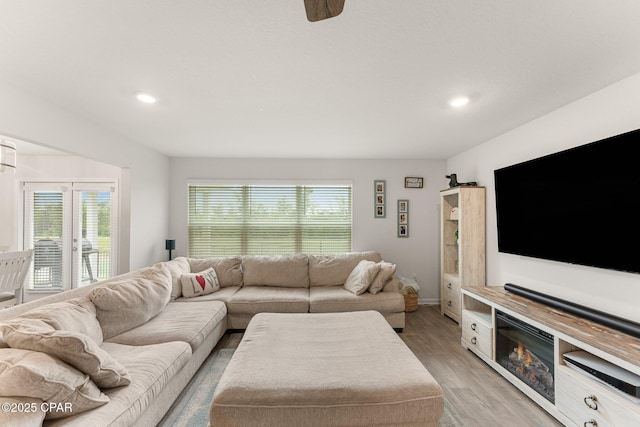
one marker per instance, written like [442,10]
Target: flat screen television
[580,206]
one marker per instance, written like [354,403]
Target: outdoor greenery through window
[269,219]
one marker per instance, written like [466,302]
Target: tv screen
[579,206]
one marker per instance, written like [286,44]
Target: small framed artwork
[413,182]
[403,218]
[379,198]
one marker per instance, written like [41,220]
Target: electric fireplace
[526,352]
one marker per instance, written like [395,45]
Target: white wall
[610,111]
[417,254]
[145,180]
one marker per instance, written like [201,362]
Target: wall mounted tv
[579,206]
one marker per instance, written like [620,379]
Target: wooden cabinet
[477,332]
[587,402]
[462,245]
[580,399]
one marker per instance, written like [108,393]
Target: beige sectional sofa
[294,284]
[119,352]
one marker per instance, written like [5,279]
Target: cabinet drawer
[450,298]
[477,334]
[576,392]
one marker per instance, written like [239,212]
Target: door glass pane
[47,234]
[94,209]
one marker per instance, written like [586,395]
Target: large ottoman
[324,369]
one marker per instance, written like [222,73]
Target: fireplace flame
[523,355]
[528,358]
[520,351]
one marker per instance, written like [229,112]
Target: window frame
[247,244]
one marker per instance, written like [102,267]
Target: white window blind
[269,219]
[47,232]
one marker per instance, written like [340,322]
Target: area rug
[192,407]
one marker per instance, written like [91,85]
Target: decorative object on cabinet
[403,218]
[453,182]
[379,198]
[462,245]
[413,182]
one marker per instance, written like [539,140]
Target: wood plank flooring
[480,396]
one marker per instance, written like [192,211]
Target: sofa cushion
[190,323]
[125,304]
[74,348]
[361,277]
[332,299]
[38,375]
[74,315]
[224,294]
[22,418]
[393,285]
[260,299]
[333,270]
[177,267]
[198,284]
[285,271]
[152,368]
[228,269]
[383,277]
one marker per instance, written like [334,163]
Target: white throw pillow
[197,284]
[177,267]
[384,275]
[38,375]
[361,277]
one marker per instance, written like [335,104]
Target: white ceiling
[254,78]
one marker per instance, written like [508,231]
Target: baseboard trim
[428,301]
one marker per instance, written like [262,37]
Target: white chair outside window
[13,271]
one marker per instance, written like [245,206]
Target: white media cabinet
[580,400]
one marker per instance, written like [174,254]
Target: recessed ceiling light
[459,101]
[146,98]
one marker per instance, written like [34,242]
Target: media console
[573,396]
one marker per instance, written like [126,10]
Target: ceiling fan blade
[318,10]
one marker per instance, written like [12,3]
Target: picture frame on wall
[403,218]
[413,182]
[379,198]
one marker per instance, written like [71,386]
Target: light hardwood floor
[480,396]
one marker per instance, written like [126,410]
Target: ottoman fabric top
[353,361]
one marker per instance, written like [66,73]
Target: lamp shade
[7,157]
[170,245]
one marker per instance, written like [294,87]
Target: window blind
[48,234]
[268,219]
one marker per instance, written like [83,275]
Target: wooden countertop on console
[623,346]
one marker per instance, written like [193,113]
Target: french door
[72,228]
